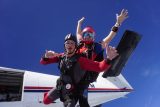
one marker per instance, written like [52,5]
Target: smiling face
[70,46]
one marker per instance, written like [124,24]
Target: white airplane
[22,88]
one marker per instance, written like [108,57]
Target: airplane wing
[107,89]
[125,48]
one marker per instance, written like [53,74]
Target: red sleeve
[90,65]
[49,60]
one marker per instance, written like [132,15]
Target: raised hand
[111,52]
[123,16]
[81,20]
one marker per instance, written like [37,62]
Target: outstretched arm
[95,66]
[120,19]
[79,31]
[50,57]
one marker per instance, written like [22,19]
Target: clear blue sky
[28,27]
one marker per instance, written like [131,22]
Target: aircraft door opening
[11,85]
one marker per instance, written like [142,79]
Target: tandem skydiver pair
[80,63]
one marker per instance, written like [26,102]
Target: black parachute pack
[66,82]
[66,64]
[71,68]
[91,76]
[125,48]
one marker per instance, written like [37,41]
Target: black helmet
[71,37]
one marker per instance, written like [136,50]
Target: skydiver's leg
[83,102]
[51,96]
[83,99]
[70,103]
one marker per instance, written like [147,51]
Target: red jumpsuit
[83,65]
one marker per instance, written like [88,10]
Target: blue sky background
[29,27]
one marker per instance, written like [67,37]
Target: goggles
[91,35]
